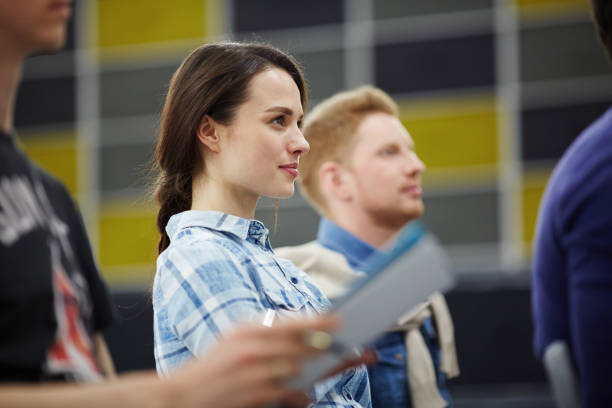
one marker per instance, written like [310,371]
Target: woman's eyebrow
[282,109]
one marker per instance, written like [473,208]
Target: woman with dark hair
[55,304]
[230,133]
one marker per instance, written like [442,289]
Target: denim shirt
[220,270]
[388,378]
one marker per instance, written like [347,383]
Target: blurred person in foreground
[54,304]
[572,264]
[363,176]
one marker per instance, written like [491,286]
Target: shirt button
[349,397]
[399,356]
[294,280]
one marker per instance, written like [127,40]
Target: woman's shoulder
[201,243]
[202,256]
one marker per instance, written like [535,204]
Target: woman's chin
[282,194]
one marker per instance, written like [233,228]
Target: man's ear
[208,134]
[334,182]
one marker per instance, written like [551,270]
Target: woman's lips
[291,169]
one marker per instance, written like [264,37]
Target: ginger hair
[330,130]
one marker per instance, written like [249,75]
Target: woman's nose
[299,145]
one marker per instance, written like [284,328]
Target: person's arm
[589,259]
[246,369]
[130,391]
[104,357]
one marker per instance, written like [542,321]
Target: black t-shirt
[52,298]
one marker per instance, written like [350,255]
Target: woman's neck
[209,194]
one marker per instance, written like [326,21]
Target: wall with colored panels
[492,92]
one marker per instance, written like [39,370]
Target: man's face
[384,172]
[30,26]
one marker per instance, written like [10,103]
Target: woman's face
[260,149]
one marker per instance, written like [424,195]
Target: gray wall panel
[400,8]
[296,225]
[569,50]
[125,167]
[130,130]
[324,72]
[134,92]
[463,219]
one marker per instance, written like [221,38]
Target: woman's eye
[279,121]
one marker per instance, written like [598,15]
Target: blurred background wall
[492,92]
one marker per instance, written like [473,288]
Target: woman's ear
[208,135]
[333,182]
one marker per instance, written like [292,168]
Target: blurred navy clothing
[572,265]
[389,377]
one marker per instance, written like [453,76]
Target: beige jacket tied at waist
[331,271]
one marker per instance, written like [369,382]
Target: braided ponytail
[173,194]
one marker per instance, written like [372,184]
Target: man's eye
[388,151]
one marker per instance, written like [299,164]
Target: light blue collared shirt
[220,270]
[338,239]
[388,378]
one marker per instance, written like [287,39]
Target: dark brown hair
[602,15]
[213,80]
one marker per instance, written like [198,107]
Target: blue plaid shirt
[219,270]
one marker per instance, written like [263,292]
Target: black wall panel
[436,64]
[277,14]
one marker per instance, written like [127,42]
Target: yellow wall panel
[550,3]
[440,179]
[534,184]
[127,236]
[550,8]
[137,22]
[531,203]
[450,134]
[129,276]
[57,153]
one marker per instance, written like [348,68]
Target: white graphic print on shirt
[23,208]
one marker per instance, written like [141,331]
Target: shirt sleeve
[206,292]
[549,283]
[589,260]
[104,313]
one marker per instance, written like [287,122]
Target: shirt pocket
[391,350]
[284,299]
[306,286]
